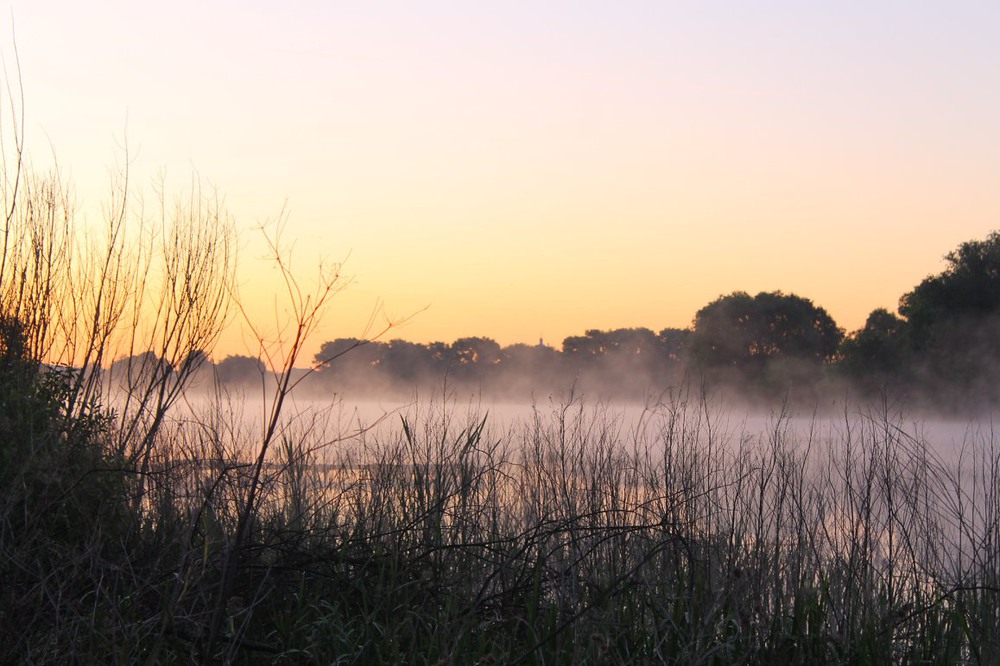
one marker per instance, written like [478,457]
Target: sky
[525,170]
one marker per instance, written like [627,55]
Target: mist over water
[725,417]
[937,463]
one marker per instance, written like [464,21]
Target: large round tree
[743,331]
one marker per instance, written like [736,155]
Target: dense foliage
[63,498]
[740,330]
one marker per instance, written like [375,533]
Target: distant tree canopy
[878,349]
[524,358]
[475,352]
[953,322]
[372,364]
[146,366]
[740,330]
[675,342]
[967,291]
[625,342]
[636,356]
[239,368]
[406,360]
[946,336]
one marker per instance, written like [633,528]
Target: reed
[572,536]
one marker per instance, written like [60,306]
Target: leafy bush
[62,495]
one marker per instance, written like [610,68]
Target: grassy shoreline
[572,536]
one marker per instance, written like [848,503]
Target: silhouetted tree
[953,321]
[352,352]
[739,330]
[674,343]
[239,368]
[474,358]
[520,354]
[632,342]
[968,288]
[440,353]
[619,361]
[773,341]
[876,351]
[195,360]
[587,347]
[407,361]
[480,352]
[350,363]
[140,368]
[527,368]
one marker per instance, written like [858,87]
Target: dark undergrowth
[572,537]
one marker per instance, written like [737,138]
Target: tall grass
[574,536]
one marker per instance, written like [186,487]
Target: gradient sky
[525,169]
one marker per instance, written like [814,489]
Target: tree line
[941,344]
